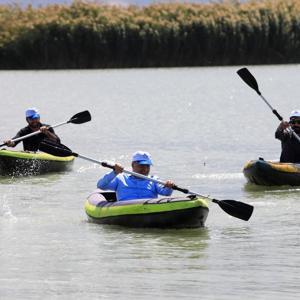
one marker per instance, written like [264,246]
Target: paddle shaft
[279,117]
[250,80]
[234,208]
[107,165]
[78,118]
[270,106]
[34,133]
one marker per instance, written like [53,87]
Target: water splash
[5,210]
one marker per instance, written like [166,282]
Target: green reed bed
[86,35]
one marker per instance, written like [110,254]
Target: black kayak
[22,163]
[271,173]
[168,212]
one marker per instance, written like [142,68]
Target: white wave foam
[262,203]
[285,190]
[90,167]
[219,176]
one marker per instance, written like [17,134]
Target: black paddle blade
[236,209]
[248,78]
[81,117]
[55,149]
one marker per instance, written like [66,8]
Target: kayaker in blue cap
[290,146]
[128,187]
[32,143]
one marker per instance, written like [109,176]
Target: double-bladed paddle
[234,208]
[79,118]
[249,79]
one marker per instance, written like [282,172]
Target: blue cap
[32,113]
[142,158]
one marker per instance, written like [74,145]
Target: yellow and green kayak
[168,212]
[271,173]
[22,163]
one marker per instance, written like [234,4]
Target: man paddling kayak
[128,187]
[34,124]
[290,146]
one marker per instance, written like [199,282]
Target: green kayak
[20,163]
[168,212]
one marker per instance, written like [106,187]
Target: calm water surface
[200,125]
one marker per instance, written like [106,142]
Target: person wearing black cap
[32,143]
[129,187]
[290,145]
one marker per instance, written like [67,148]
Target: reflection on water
[163,242]
[240,233]
[254,191]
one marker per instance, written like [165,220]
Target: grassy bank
[98,36]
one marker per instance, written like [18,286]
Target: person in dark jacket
[34,124]
[290,145]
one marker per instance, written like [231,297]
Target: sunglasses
[294,122]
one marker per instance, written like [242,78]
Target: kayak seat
[109,196]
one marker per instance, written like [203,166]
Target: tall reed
[89,35]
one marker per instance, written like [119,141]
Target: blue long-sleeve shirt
[129,187]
